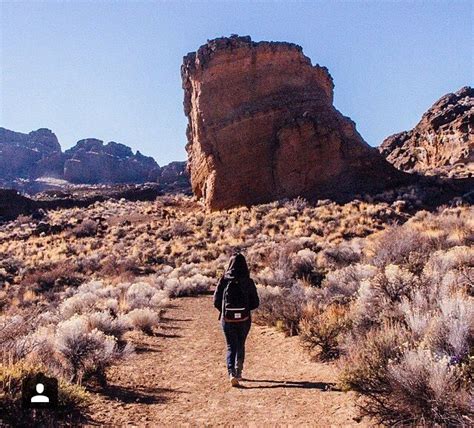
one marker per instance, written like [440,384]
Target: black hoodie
[237,269]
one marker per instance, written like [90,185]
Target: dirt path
[179,377]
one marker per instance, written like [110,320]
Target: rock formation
[174,178]
[29,155]
[25,158]
[443,141]
[91,162]
[262,126]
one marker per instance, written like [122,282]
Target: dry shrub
[343,284]
[377,297]
[366,359]
[180,229]
[282,307]
[403,246]
[144,295]
[123,267]
[9,269]
[144,319]
[425,388]
[85,229]
[13,332]
[108,324]
[339,256]
[51,277]
[321,329]
[85,351]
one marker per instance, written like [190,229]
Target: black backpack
[235,302]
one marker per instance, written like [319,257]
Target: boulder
[262,126]
[442,143]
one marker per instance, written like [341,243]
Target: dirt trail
[179,377]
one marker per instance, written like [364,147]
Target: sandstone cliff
[442,143]
[262,126]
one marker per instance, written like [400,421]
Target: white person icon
[39,391]
[39,398]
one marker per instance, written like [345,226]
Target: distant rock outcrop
[174,177]
[91,161]
[29,161]
[262,126]
[443,141]
[29,155]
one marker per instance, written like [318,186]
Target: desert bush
[283,307]
[321,328]
[298,204]
[180,229]
[85,229]
[378,296]
[187,280]
[366,359]
[402,367]
[304,267]
[143,295]
[144,319]
[78,304]
[15,340]
[403,246]
[114,266]
[424,388]
[451,329]
[109,325]
[9,269]
[85,352]
[443,261]
[51,277]
[339,256]
[343,284]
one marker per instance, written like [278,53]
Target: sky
[111,69]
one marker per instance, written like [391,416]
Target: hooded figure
[237,267]
[235,296]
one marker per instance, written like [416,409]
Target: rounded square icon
[40,392]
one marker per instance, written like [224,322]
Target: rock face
[262,126]
[92,162]
[443,141]
[29,155]
[175,177]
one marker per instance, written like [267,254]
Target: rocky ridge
[442,143]
[34,162]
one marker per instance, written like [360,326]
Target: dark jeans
[235,335]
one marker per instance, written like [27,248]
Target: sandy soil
[179,377]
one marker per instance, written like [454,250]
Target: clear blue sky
[111,70]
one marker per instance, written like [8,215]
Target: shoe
[234,381]
[238,375]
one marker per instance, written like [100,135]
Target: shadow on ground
[135,395]
[322,386]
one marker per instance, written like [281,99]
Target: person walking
[235,297]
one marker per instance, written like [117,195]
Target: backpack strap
[223,300]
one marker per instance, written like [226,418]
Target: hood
[237,267]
